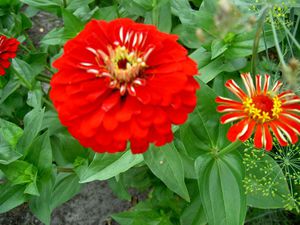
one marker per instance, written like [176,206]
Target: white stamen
[123,89]
[121,34]
[86,64]
[147,54]
[128,36]
[94,71]
[116,43]
[140,38]
[92,50]
[134,39]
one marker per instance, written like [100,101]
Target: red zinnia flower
[121,81]
[8,48]
[260,111]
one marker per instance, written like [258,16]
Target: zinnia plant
[260,110]
[8,48]
[121,81]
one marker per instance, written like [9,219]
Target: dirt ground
[95,203]
[92,206]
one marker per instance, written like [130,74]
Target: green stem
[281,59]
[48,103]
[257,39]
[64,170]
[43,78]
[65,3]
[231,147]
[155,13]
[290,35]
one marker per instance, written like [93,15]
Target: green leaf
[193,214]
[165,18]
[9,132]
[7,154]
[24,72]
[9,88]
[166,164]
[11,196]
[51,123]
[145,217]
[265,183]
[106,13]
[221,190]
[48,5]
[218,47]
[34,98]
[55,37]
[242,44]
[32,125]
[72,24]
[39,153]
[66,149]
[20,172]
[41,205]
[118,189]
[203,132]
[105,166]
[187,35]
[66,186]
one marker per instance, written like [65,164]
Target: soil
[92,206]
[95,203]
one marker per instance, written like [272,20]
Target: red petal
[268,138]
[237,130]
[258,136]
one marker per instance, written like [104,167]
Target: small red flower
[121,81]
[8,48]
[259,111]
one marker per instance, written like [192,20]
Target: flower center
[122,66]
[262,108]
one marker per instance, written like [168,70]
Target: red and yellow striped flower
[261,111]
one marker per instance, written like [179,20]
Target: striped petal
[237,130]
[230,117]
[258,136]
[235,89]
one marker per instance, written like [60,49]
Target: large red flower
[121,81]
[260,111]
[8,48]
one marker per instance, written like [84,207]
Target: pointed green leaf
[105,166]
[221,190]
[166,164]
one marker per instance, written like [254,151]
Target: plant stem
[49,103]
[290,35]
[155,13]
[257,39]
[281,59]
[64,170]
[43,78]
[231,147]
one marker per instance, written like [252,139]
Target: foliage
[200,177]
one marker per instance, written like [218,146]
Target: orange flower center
[262,108]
